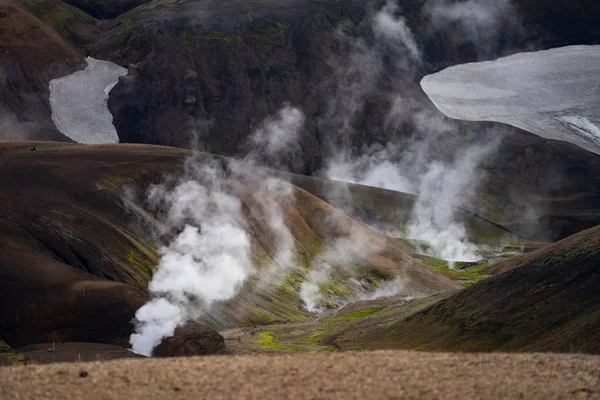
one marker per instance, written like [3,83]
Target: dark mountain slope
[74,25]
[550,302]
[32,54]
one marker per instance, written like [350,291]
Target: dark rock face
[231,62]
[192,339]
[248,58]
[542,187]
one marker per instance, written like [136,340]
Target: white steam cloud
[388,26]
[211,255]
[280,132]
[433,216]
[480,20]
[206,262]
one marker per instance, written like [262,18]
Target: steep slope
[32,55]
[70,269]
[192,60]
[203,58]
[547,301]
[77,253]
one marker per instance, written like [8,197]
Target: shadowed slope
[548,302]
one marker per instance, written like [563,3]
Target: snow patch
[79,102]
[554,93]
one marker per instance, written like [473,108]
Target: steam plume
[210,256]
[438,161]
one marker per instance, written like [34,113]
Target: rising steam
[210,256]
[439,160]
[206,262]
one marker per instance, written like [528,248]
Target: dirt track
[376,375]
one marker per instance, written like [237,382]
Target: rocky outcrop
[553,94]
[192,339]
[231,62]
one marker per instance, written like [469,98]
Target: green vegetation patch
[364,313]
[276,31]
[218,37]
[142,264]
[187,42]
[466,277]
[9,357]
[267,340]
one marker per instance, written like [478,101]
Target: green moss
[305,258]
[466,277]
[364,313]
[276,31]
[115,183]
[140,262]
[291,283]
[187,42]
[9,357]
[218,37]
[268,341]
[130,25]
[159,37]
[58,15]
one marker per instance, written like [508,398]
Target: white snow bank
[79,102]
[554,94]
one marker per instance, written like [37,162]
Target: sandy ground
[375,375]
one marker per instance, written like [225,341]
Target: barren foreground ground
[376,375]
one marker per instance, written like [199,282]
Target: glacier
[79,102]
[553,93]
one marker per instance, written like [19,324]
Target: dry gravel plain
[361,375]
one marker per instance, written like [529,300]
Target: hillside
[542,301]
[73,240]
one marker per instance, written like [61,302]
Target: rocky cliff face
[232,63]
